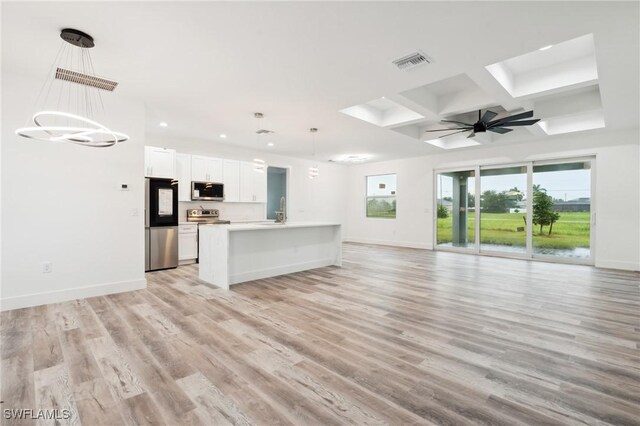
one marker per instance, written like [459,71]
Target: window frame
[367,196]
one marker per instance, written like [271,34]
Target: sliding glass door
[529,210]
[562,209]
[455,213]
[503,209]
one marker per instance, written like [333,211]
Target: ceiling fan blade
[457,122]
[488,116]
[519,123]
[527,114]
[500,130]
[444,130]
[454,133]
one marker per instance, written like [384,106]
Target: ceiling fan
[485,124]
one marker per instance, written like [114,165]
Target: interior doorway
[276,189]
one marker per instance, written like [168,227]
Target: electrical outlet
[47,267]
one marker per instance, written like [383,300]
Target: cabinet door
[183,172]
[160,162]
[246,182]
[206,169]
[231,180]
[187,246]
[215,168]
[260,187]
[199,168]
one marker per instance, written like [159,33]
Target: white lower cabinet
[187,243]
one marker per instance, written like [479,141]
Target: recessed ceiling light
[164,124]
[546,47]
[223,136]
[270,144]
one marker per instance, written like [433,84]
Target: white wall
[62,204]
[321,199]
[617,191]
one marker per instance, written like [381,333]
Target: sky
[566,185]
[374,182]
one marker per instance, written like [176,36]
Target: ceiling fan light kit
[486,123]
[76,125]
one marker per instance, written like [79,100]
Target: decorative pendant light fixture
[314,171]
[71,117]
[259,164]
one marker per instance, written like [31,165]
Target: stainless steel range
[205,216]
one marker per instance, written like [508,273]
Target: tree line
[502,202]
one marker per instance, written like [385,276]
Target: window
[381,196]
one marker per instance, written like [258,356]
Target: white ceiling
[206,67]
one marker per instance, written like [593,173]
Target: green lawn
[388,215]
[570,231]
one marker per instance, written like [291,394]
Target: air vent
[264,131]
[85,79]
[411,61]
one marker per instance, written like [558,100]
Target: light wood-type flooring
[395,336]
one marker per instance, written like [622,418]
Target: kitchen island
[236,253]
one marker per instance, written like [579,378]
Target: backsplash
[228,211]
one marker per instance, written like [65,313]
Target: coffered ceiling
[206,67]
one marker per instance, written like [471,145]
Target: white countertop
[252,220]
[271,225]
[238,222]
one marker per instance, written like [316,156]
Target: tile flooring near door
[397,336]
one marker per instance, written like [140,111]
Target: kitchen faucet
[281,215]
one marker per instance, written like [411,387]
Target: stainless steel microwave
[207,191]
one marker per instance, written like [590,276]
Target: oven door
[207,191]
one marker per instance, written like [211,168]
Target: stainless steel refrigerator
[161,224]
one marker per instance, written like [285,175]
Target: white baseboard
[393,243]
[281,270]
[36,299]
[617,264]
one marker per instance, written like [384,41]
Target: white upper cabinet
[183,174]
[260,187]
[253,184]
[241,182]
[231,180]
[206,169]
[246,182]
[160,162]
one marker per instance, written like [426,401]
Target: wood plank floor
[395,336]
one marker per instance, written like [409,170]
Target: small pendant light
[314,171]
[259,165]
